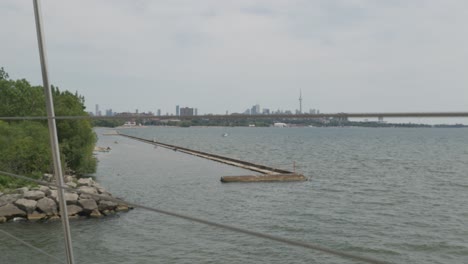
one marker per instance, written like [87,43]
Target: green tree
[24,145]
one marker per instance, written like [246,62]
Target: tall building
[159,112]
[195,111]
[186,111]
[177,110]
[255,110]
[97,110]
[109,112]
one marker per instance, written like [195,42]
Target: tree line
[24,144]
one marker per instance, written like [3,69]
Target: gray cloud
[353,55]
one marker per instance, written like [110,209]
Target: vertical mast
[300,101]
[53,132]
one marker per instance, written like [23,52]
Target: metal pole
[53,132]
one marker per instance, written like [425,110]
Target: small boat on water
[225,135]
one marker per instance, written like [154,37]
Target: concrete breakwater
[40,203]
[265,178]
[268,174]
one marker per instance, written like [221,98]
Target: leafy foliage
[24,145]
[107,123]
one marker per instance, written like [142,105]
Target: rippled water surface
[399,195]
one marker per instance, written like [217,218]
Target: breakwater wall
[226,160]
[269,173]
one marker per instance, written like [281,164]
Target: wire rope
[215,224]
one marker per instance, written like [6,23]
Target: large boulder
[45,190]
[47,205]
[54,195]
[95,214]
[87,189]
[9,210]
[85,182]
[71,184]
[47,177]
[71,198]
[34,195]
[101,190]
[85,196]
[21,190]
[107,205]
[36,216]
[122,208]
[26,205]
[9,198]
[68,178]
[88,205]
[74,209]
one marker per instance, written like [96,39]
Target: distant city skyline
[342,56]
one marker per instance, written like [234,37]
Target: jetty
[268,174]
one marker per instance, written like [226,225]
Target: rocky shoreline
[41,203]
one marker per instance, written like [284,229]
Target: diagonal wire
[31,246]
[215,224]
[242,116]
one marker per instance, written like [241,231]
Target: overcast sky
[218,55]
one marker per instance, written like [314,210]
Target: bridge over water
[269,116]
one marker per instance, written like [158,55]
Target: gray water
[398,195]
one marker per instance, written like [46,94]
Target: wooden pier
[268,174]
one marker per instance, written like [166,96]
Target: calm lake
[399,195]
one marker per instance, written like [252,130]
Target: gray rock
[85,196]
[47,177]
[71,184]
[85,182]
[53,194]
[108,212]
[107,205]
[71,198]
[54,218]
[47,205]
[9,210]
[9,198]
[88,205]
[95,214]
[74,209]
[34,195]
[87,189]
[122,208]
[45,190]
[36,216]
[68,179]
[105,194]
[101,190]
[3,219]
[26,205]
[21,190]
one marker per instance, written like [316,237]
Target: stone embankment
[41,203]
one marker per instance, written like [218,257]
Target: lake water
[399,195]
